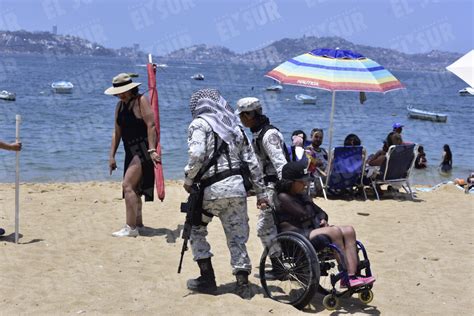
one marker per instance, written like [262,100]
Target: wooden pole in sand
[17,182]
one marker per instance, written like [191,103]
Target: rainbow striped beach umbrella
[335,70]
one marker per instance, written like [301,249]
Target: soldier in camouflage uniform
[270,150]
[224,195]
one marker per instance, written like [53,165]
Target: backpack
[260,139]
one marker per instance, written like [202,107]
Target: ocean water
[67,137]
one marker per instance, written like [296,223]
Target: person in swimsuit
[135,126]
[420,161]
[446,160]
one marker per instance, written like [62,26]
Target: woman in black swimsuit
[447,160]
[135,126]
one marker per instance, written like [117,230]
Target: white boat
[468,91]
[305,99]
[425,115]
[62,87]
[8,96]
[275,87]
[197,77]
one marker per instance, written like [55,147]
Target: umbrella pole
[17,182]
[331,122]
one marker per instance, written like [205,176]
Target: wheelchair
[300,272]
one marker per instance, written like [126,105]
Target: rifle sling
[213,159]
[211,180]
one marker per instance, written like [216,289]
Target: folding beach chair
[346,169]
[399,162]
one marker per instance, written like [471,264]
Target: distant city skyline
[162,26]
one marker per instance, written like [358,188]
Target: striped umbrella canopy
[335,70]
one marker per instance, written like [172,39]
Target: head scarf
[209,105]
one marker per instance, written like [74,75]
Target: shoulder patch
[274,140]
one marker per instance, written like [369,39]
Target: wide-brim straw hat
[120,84]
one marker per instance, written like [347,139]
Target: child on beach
[317,159]
[420,162]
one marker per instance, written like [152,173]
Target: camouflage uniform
[233,214]
[271,159]
[225,199]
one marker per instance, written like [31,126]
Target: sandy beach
[67,262]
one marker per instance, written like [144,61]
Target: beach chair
[399,162]
[346,169]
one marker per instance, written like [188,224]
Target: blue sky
[161,26]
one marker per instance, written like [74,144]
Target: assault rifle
[192,208]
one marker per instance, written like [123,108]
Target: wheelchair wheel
[296,271]
[366,296]
[331,302]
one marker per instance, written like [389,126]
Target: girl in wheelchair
[295,211]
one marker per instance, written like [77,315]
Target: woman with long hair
[446,160]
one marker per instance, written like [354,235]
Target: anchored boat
[276,88]
[63,87]
[305,99]
[426,115]
[8,96]
[468,91]
[197,77]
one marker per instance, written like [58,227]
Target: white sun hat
[120,84]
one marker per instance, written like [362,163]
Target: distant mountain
[268,56]
[286,48]
[46,42]
[202,52]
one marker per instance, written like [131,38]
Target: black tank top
[134,130]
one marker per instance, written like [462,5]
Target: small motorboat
[425,115]
[305,99]
[197,77]
[161,66]
[63,87]
[8,96]
[468,91]
[276,88]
